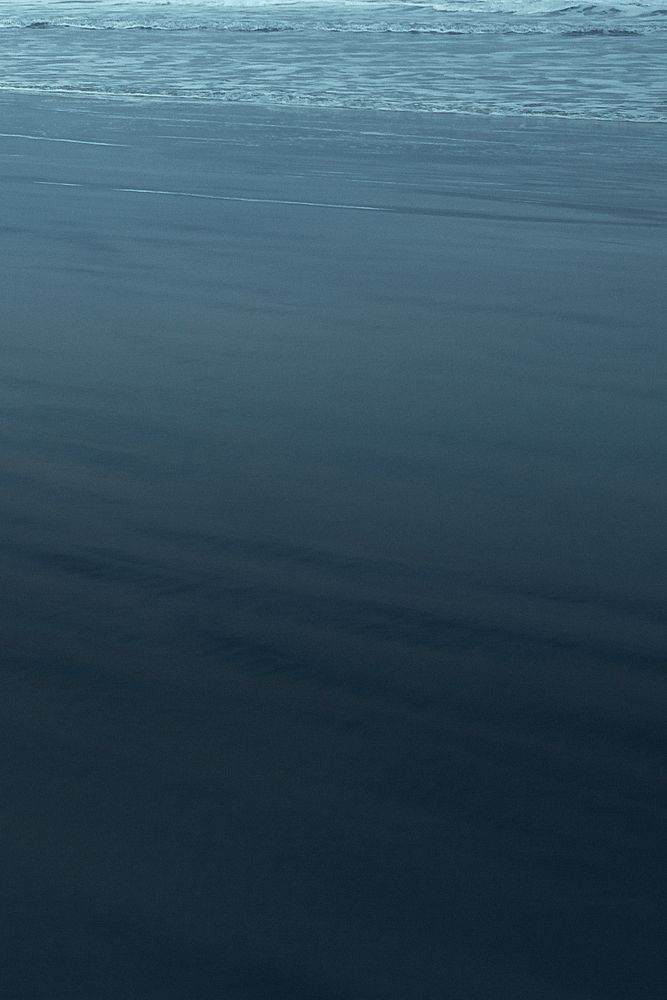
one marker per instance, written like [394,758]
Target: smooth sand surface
[333,555]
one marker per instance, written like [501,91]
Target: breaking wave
[602,32]
[412,29]
[404,17]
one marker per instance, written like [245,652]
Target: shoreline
[146,99]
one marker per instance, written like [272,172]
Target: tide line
[223,197]
[59,184]
[50,138]
[254,201]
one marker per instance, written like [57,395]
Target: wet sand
[333,555]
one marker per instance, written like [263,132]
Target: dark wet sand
[333,556]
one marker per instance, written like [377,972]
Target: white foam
[254,201]
[51,138]
[224,197]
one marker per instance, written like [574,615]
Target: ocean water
[528,57]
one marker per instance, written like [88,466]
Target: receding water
[584,61]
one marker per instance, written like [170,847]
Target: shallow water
[333,554]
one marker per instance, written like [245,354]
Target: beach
[333,540]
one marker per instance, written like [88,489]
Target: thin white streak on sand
[201,138]
[49,138]
[255,201]
[225,197]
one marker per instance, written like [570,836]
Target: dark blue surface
[333,556]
